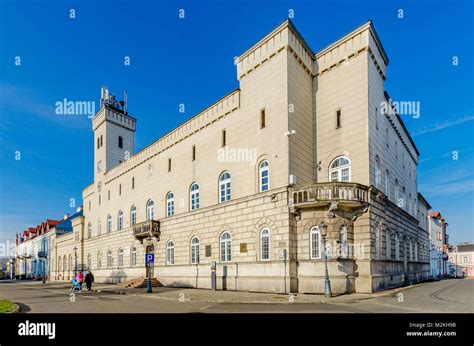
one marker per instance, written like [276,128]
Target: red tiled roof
[53,222]
[436,214]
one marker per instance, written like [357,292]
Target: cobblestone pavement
[454,295]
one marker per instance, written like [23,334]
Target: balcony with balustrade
[150,228]
[352,197]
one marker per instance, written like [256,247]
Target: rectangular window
[108,195]
[89,205]
[376,118]
[169,165]
[465,259]
[133,183]
[99,199]
[338,118]
[194,152]
[262,118]
[224,139]
[120,189]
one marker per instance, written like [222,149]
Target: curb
[16,310]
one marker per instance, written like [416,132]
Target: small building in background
[461,260]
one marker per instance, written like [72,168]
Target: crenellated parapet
[115,116]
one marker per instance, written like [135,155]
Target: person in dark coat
[89,279]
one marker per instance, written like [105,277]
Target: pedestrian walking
[89,280]
[80,279]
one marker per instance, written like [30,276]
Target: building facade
[307,157]
[461,260]
[438,244]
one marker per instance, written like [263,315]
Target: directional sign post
[149,260]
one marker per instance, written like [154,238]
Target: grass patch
[6,306]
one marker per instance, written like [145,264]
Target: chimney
[66,216]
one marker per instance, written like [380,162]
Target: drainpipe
[236,274]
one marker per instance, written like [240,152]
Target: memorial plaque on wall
[243,247]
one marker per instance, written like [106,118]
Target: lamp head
[323,229]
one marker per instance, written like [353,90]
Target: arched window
[99,260]
[133,257]
[120,142]
[340,169]
[89,231]
[388,245]
[264,176]
[409,204]
[194,196]
[120,258]
[224,187]
[133,215]
[89,261]
[170,252]
[195,250]
[265,244]
[377,172]
[110,261]
[169,204]
[397,247]
[410,250]
[109,223]
[402,202]
[99,227]
[397,193]
[149,210]
[343,241]
[120,220]
[226,247]
[377,241]
[315,243]
[387,183]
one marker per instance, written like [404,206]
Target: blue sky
[190,61]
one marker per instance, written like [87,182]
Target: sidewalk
[241,297]
[228,297]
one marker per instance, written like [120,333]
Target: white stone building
[307,139]
[438,244]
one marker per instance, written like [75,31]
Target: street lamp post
[75,261]
[11,269]
[327,283]
[149,289]
[44,269]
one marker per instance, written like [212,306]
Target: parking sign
[149,258]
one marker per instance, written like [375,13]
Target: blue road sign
[150,258]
